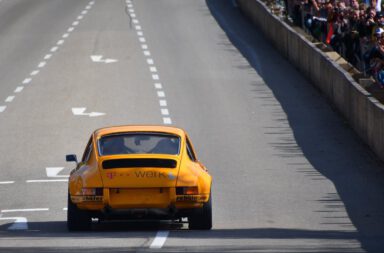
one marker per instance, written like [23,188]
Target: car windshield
[139,143]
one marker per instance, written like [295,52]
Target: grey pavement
[289,174]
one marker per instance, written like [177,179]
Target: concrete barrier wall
[364,113]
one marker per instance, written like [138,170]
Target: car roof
[138,128]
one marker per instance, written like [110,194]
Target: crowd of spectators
[352,28]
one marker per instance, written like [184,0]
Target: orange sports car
[139,172]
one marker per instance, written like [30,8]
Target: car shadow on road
[310,128]
[221,240]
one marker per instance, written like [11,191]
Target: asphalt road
[289,173]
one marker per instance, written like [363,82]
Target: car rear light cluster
[92,191]
[187,190]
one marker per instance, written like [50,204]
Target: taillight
[187,190]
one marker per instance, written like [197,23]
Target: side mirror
[71,158]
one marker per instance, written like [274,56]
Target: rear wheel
[202,219]
[77,219]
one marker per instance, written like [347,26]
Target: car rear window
[139,143]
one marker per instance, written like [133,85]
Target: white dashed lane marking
[46,180]
[27,80]
[9,99]
[42,64]
[35,72]
[19,89]
[7,182]
[161,236]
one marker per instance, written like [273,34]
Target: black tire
[202,219]
[77,219]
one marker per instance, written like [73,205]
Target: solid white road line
[21,223]
[2,108]
[159,240]
[10,99]
[7,182]
[65,209]
[24,210]
[46,180]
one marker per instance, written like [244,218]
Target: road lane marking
[20,223]
[65,209]
[48,56]
[46,180]
[27,80]
[25,210]
[35,72]
[54,171]
[7,182]
[19,89]
[160,94]
[167,121]
[54,49]
[164,111]
[158,242]
[150,61]
[80,111]
[161,236]
[42,64]
[9,99]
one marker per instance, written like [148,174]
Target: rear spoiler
[139,163]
